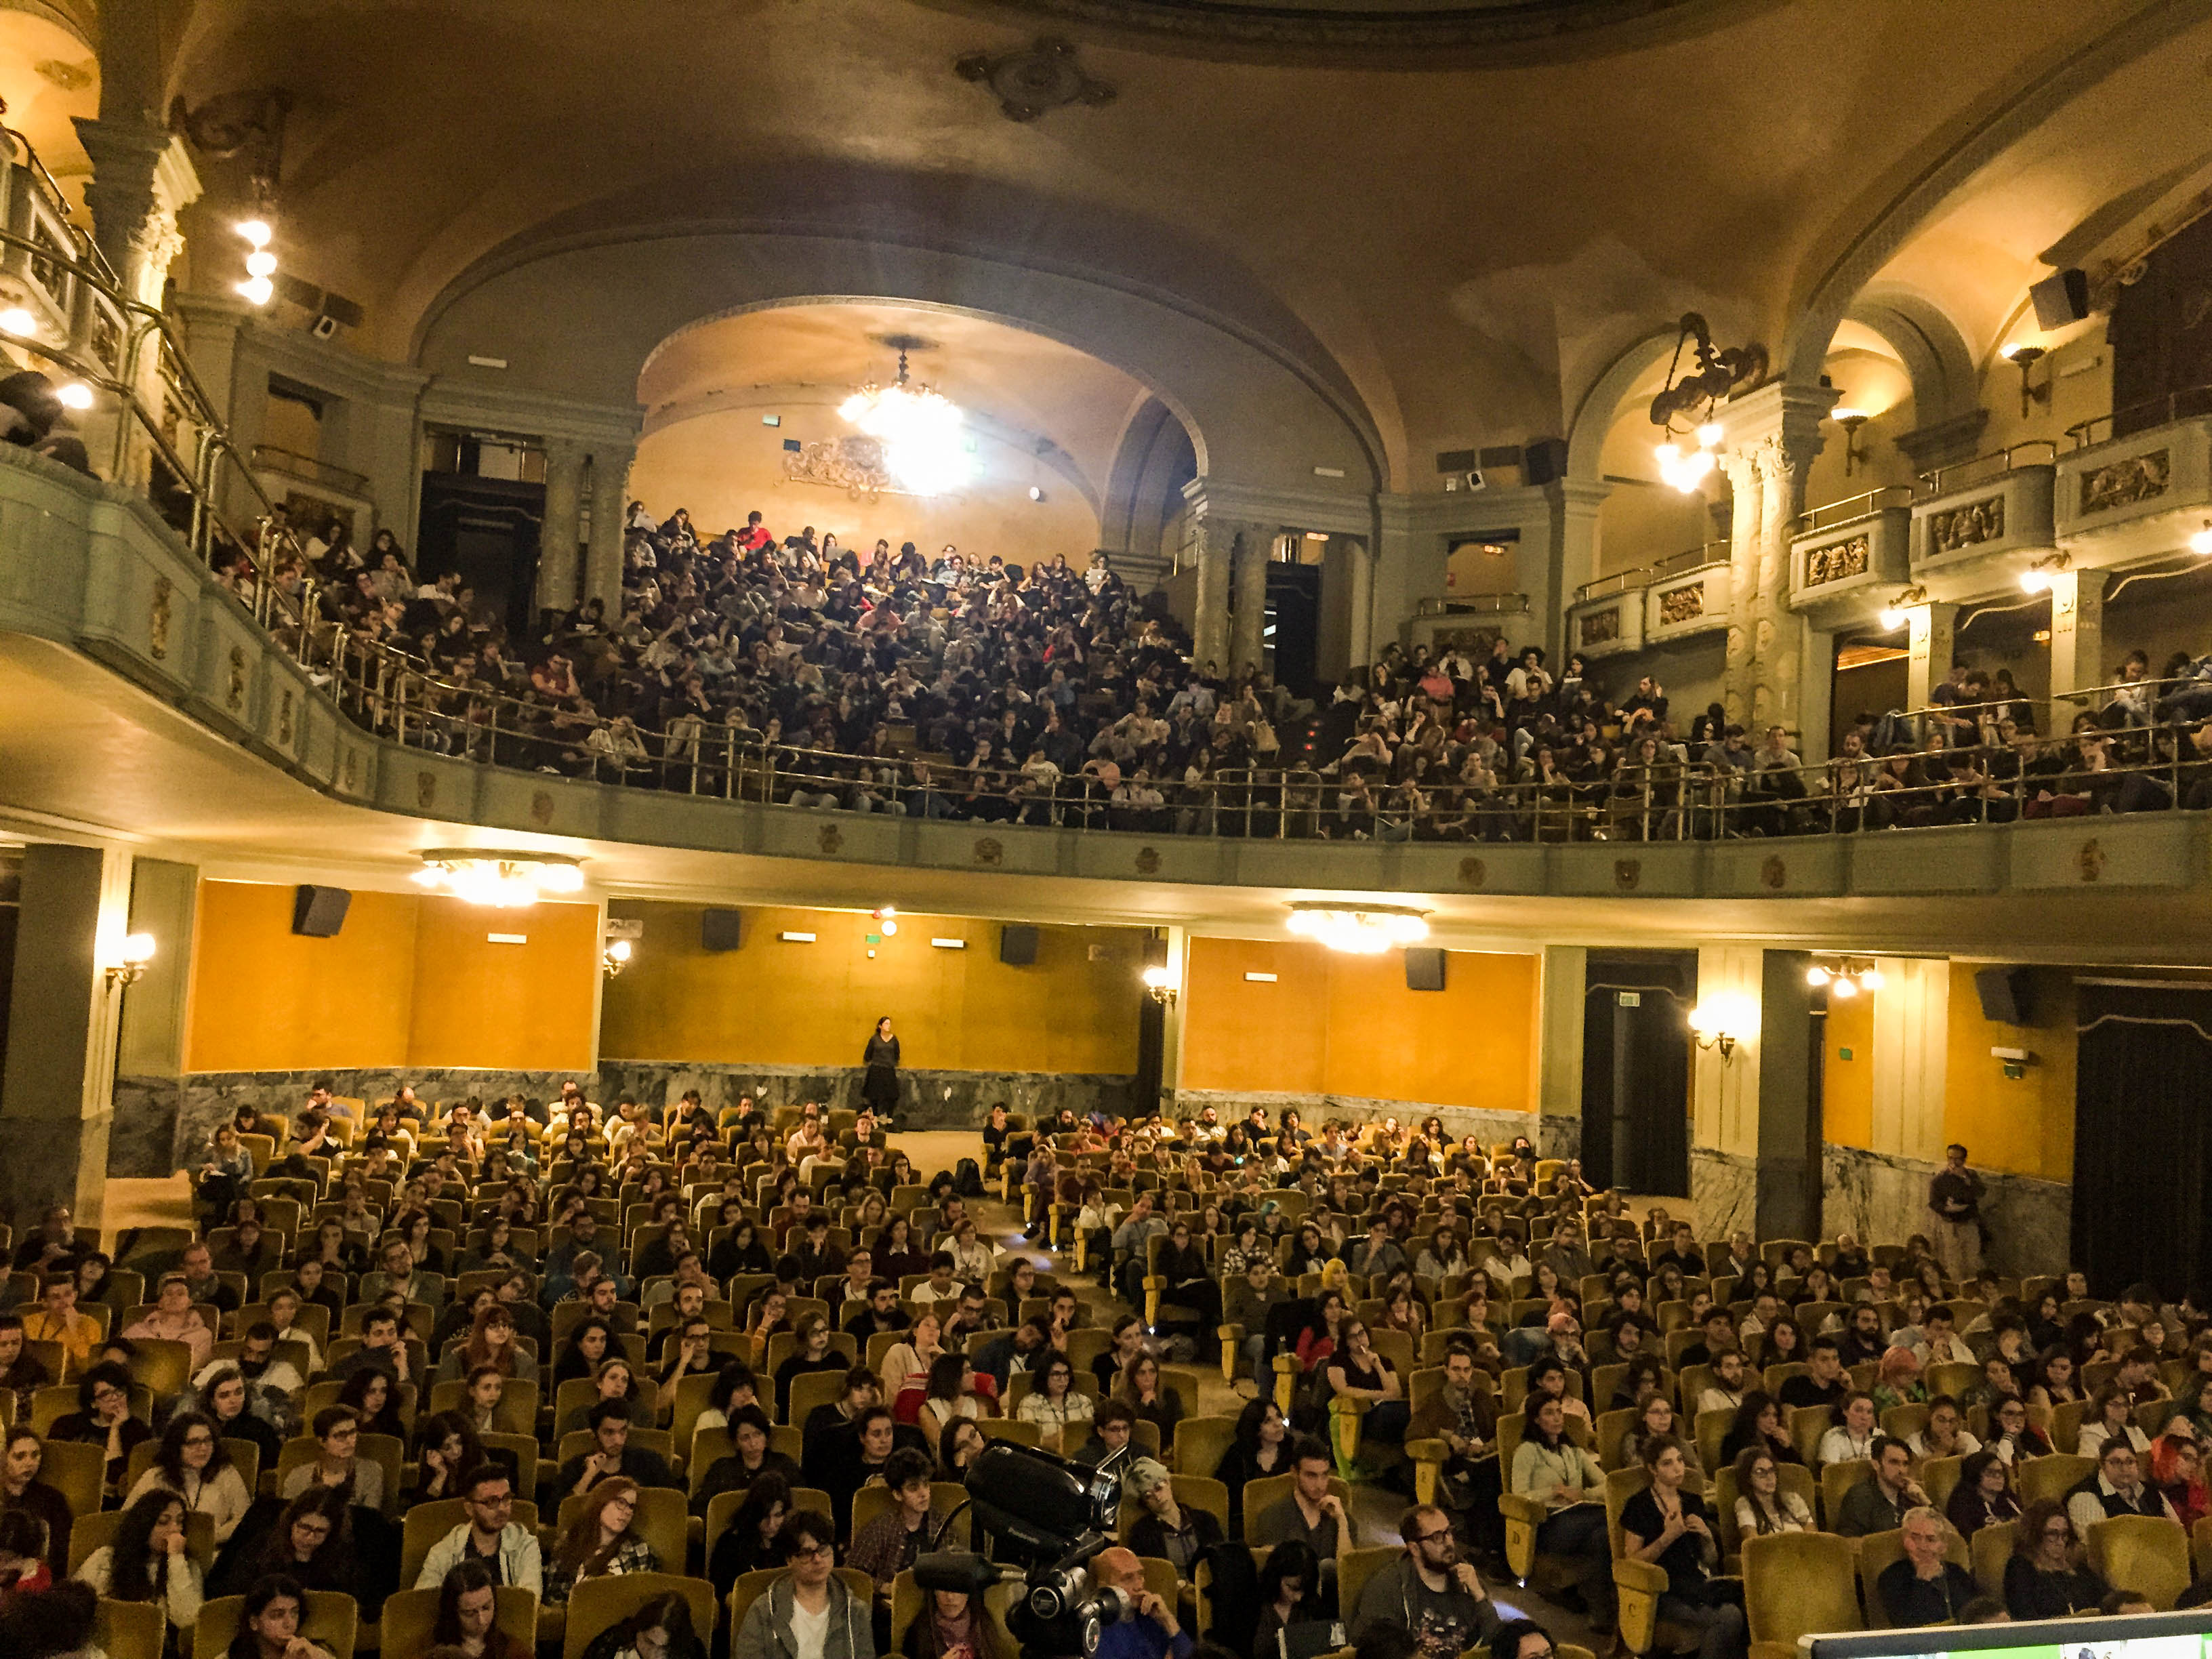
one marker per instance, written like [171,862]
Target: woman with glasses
[1983,1496]
[2046,1577]
[193,1464]
[103,1419]
[600,1542]
[1762,1506]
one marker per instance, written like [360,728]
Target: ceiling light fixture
[920,427]
[507,881]
[1362,929]
[76,395]
[1844,976]
[1695,396]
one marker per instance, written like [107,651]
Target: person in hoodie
[808,1613]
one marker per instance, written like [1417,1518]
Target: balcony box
[1696,603]
[1842,574]
[2137,497]
[1607,627]
[1963,528]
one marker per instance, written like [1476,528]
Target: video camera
[1054,1516]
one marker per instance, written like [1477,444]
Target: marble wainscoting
[1884,1199]
[1724,1192]
[166,1124]
[1489,1128]
[927,1099]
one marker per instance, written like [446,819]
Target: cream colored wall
[725,463]
[1641,522]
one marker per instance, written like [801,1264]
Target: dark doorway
[487,530]
[1636,1070]
[1293,625]
[2160,348]
[2143,1083]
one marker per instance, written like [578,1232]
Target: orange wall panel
[265,1000]
[1847,1085]
[1336,1023]
[770,1002]
[527,1007]
[2023,1125]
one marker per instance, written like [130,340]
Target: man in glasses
[490,1534]
[808,1610]
[1437,1597]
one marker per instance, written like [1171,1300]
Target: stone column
[1910,1058]
[2077,640]
[55,1105]
[1571,560]
[1928,631]
[1248,622]
[603,558]
[1751,1158]
[141,180]
[1363,604]
[149,1057]
[1562,1000]
[1215,542]
[558,534]
[1769,439]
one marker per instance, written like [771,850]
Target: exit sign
[1630,999]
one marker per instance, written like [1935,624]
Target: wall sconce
[1851,419]
[617,956]
[2038,577]
[137,951]
[1160,985]
[1722,1022]
[2025,357]
[1896,613]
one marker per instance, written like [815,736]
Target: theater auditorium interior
[1407,803]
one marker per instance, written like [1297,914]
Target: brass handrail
[1815,519]
[2169,405]
[1673,564]
[1937,480]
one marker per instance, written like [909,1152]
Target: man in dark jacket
[1437,1597]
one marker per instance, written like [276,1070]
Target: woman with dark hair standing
[879,1087]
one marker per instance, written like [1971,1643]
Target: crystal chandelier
[507,881]
[920,428]
[1364,929]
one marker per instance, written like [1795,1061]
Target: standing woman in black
[879,1089]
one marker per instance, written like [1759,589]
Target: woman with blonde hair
[600,1543]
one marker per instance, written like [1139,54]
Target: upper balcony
[1849,556]
[1684,594]
[2139,485]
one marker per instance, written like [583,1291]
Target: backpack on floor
[968,1178]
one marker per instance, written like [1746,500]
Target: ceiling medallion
[1487,31]
[1034,80]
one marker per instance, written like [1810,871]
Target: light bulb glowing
[1708,435]
[503,880]
[18,322]
[1870,979]
[255,231]
[1816,975]
[2035,581]
[261,263]
[258,290]
[76,395]
[619,950]
[1685,470]
[1159,978]
[1843,986]
[1363,930]
[137,949]
[1893,619]
[2200,544]
[1844,417]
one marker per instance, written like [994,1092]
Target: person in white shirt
[1853,1435]
[1726,1393]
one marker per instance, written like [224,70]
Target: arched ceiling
[1442,257]
[1019,381]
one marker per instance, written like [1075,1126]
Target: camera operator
[1150,1633]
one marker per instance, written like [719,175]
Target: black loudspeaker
[1424,967]
[1543,460]
[1017,946]
[2061,300]
[319,912]
[721,930]
[2007,995]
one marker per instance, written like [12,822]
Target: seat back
[1356,1567]
[1991,1548]
[1796,1583]
[598,1603]
[661,1521]
[411,1616]
[131,1630]
[2146,1553]
[77,1472]
[1202,1442]
[2052,1476]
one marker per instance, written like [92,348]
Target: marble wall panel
[1883,1199]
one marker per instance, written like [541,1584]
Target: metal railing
[270,458]
[1829,514]
[1647,575]
[1959,475]
[2188,404]
[152,423]
[1474,604]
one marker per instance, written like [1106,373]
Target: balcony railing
[2188,404]
[268,458]
[1644,575]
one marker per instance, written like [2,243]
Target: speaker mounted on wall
[721,930]
[2007,995]
[1424,967]
[2061,300]
[1017,946]
[319,912]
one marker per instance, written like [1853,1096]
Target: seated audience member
[1168,1530]
[468,1615]
[662,1629]
[2115,1486]
[809,1609]
[1668,1525]
[1886,1496]
[190,1461]
[754,1540]
[148,1562]
[340,1465]
[612,1455]
[1762,1506]
[103,1419]
[1983,1496]
[1152,1631]
[1437,1597]
[600,1541]
[1552,1468]
[22,1490]
[1923,1587]
[490,1538]
[2046,1577]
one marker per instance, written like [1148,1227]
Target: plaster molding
[1215,499]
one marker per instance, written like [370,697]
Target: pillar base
[54,1160]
